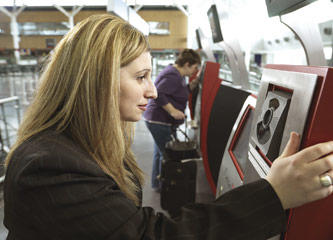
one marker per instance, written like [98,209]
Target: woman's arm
[72,198]
[174,112]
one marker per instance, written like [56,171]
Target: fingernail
[293,132]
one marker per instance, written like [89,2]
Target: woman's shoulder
[48,142]
[51,151]
[170,71]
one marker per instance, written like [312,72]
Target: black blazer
[54,190]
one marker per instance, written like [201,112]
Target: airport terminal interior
[266,70]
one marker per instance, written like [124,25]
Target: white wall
[248,22]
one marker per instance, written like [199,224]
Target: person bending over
[166,112]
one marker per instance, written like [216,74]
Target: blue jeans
[161,135]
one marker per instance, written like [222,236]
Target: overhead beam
[181,8]
[137,7]
[14,29]
[71,14]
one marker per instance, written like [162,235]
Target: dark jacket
[54,190]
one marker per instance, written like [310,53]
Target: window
[31,28]
[159,28]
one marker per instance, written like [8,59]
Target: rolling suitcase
[178,184]
[178,174]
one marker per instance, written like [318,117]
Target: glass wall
[45,28]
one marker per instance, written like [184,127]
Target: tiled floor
[142,147]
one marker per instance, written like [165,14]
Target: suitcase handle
[175,128]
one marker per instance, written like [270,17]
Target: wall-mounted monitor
[214,23]
[198,37]
[280,7]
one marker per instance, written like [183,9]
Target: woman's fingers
[326,175]
[316,151]
[292,145]
[321,165]
[321,192]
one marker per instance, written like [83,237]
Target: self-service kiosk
[293,98]
[216,109]
[202,98]
[234,159]
[200,101]
[224,112]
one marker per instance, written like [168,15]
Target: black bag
[176,150]
[178,185]
[178,174]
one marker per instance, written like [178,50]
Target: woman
[72,174]
[167,111]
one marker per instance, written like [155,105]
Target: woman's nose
[151,91]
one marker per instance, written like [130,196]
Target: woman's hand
[295,176]
[174,112]
[178,115]
[194,83]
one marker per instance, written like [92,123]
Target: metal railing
[7,128]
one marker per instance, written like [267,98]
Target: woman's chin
[132,119]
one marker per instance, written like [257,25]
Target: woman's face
[136,88]
[191,69]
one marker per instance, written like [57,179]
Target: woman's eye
[141,78]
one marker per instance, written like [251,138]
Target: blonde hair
[79,93]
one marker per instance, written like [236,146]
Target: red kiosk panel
[313,220]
